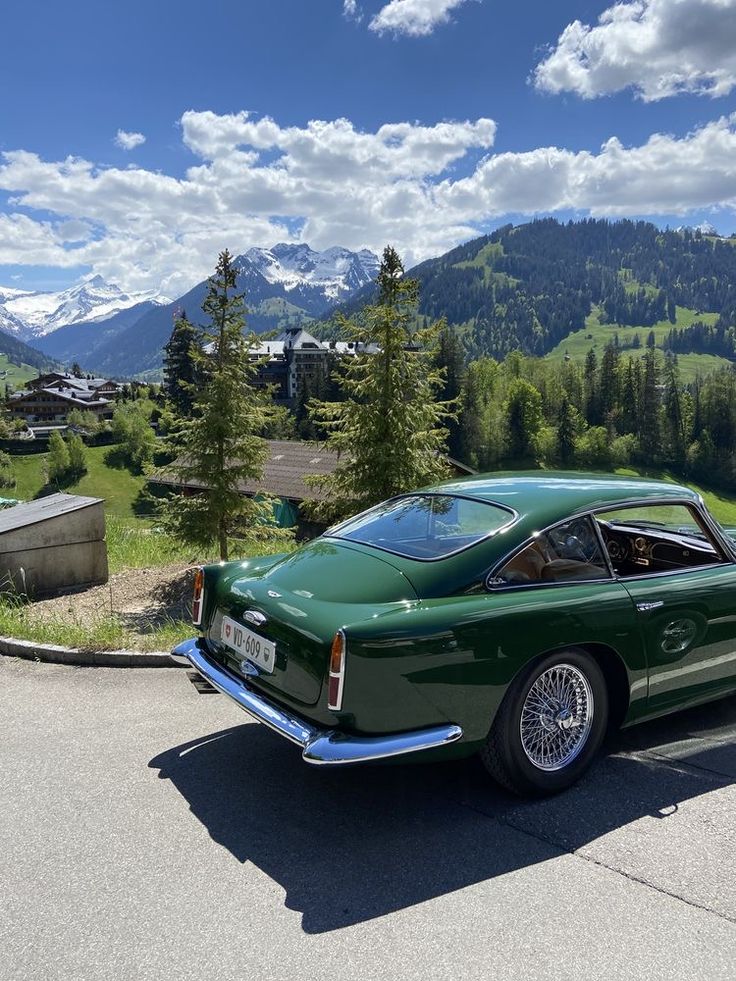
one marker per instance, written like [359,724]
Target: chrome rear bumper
[319,746]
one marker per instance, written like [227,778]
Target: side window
[656,538]
[569,552]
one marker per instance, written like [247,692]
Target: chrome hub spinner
[556,717]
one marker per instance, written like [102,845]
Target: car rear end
[283,654]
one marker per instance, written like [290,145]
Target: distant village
[292,360]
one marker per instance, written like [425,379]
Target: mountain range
[30,315]
[288,284]
[526,287]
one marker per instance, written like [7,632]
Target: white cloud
[413,17]
[129,141]
[351,10]
[328,183]
[663,176]
[657,47]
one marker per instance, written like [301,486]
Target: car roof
[540,499]
[550,496]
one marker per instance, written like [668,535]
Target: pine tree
[608,381]
[630,396]
[590,390]
[451,361]
[523,417]
[567,431]
[180,366]
[389,430]
[649,428]
[219,449]
[674,416]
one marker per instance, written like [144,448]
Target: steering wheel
[578,542]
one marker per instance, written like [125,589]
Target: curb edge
[31,650]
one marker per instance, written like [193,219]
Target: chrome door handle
[645,607]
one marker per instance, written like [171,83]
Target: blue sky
[140,139]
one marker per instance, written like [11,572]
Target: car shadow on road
[351,844]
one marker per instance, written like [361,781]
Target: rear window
[425,526]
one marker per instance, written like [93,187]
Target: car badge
[254,617]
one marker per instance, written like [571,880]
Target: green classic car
[519,616]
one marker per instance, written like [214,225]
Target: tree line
[612,411]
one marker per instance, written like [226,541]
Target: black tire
[506,755]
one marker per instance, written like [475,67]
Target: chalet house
[49,398]
[59,381]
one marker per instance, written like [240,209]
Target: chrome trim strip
[319,746]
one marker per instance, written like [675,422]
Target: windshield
[425,526]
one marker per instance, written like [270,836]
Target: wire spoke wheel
[556,717]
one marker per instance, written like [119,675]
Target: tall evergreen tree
[523,417]
[630,396]
[180,366]
[389,431]
[451,361]
[567,431]
[590,388]
[608,395]
[649,427]
[674,423]
[218,448]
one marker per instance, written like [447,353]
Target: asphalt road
[148,832]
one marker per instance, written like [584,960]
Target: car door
[683,587]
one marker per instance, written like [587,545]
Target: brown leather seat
[571,570]
[527,566]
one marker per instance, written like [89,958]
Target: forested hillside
[529,287]
[19,353]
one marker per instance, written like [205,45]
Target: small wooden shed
[54,544]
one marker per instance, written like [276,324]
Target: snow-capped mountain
[10,323]
[336,273]
[30,315]
[288,284]
[705,228]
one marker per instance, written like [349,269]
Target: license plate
[247,643]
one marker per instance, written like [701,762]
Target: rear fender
[452,660]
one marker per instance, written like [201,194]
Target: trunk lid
[306,597]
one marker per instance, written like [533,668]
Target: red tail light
[336,678]
[198,598]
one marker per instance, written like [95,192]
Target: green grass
[132,544]
[104,633]
[119,488]
[16,375]
[720,503]
[595,335]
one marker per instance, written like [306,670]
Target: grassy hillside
[596,335]
[119,488]
[15,375]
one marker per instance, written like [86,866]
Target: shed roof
[43,509]
[289,461]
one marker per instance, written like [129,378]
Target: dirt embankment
[142,599]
